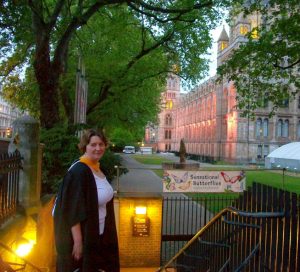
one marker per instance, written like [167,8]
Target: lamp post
[153,137]
[283,171]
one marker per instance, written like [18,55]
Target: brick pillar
[139,251]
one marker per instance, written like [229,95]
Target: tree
[182,151]
[266,67]
[39,33]
[121,94]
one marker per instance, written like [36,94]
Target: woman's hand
[77,241]
[77,250]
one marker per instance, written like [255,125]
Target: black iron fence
[10,165]
[183,217]
[261,233]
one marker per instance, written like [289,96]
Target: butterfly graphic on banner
[182,182]
[233,179]
[180,179]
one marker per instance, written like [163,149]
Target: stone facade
[7,115]
[208,121]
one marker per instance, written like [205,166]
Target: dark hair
[86,138]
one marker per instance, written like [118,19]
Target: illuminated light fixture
[24,247]
[140,210]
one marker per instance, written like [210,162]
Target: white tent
[286,156]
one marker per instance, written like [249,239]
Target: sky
[216,34]
[213,51]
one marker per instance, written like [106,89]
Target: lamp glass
[140,210]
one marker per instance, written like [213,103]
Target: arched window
[279,128]
[168,120]
[285,130]
[258,130]
[266,127]
[259,151]
[168,134]
[243,30]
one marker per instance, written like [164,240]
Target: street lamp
[153,137]
[283,170]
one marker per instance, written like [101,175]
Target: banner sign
[178,181]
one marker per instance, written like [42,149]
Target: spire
[223,36]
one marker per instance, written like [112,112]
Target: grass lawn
[150,159]
[291,184]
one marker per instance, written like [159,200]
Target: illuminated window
[223,45]
[243,30]
[169,104]
[254,34]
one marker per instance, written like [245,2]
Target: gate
[10,165]
[183,216]
[260,233]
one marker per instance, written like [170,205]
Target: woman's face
[95,149]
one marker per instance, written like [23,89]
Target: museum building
[209,122]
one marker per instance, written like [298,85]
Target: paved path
[139,179]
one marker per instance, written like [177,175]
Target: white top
[287,151]
[105,194]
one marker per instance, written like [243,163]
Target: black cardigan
[77,201]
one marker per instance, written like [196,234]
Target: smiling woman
[85,230]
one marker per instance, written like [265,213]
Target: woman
[84,222]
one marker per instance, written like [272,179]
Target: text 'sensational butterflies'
[182,179]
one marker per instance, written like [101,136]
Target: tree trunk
[47,76]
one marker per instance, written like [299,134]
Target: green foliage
[267,67]
[22,93]
[108,163]
[120,137]
[129,48]
[60,151]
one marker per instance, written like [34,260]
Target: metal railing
[261,233]
[211,247]
[10,165]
